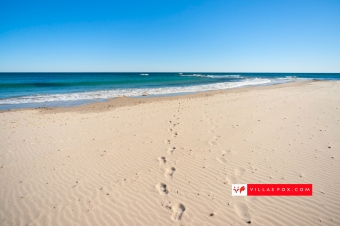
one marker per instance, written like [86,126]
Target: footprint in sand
[171,150]
[167,141]
[231,179]
[242,211]
[162,161]
[221,160]
[240,170]
[226,152]
[175,134]
[177,211]
[212,143]
[161,187]
[169,172]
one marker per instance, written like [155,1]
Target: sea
[33,90]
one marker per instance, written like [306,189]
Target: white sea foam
[292,78]
[144,74]
[214,76]
[107,94]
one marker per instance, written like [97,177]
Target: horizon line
[157,72]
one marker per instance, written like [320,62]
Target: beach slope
[172,160]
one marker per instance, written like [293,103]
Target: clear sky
[170,36]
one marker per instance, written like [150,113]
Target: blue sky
[170,36]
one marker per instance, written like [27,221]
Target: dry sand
[172,160]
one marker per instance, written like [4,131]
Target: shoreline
[130,101]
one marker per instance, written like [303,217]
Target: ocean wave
[144,74]
[215,76]
[108,94]
[292,78]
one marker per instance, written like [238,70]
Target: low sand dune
[172,160]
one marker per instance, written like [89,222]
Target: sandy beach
[172,160]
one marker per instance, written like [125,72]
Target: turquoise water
[19,90]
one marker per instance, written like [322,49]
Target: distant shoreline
[32,90]
[130,101]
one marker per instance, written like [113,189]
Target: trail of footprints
[222,159]
[178,208]
[240,208]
